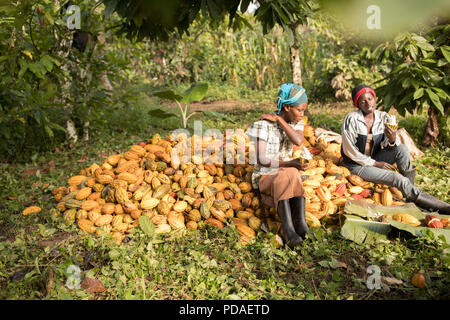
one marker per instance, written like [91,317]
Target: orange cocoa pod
[89,205]
[86,225]
[83,193]
[386,198]
[31,209]
[216,223]
[108,208]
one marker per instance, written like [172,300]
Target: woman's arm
[273,163]
[296,136]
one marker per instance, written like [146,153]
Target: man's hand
[383,165]
[269,117]
[390,133]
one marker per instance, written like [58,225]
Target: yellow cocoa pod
[323,193]
[98,187]
[70,216]
[245,230]
[309,217]
[163,228]
[93,215]
[175,220]
[117,220]
[329,208]
[135,214]
[334,170]
[219,186]
[140,151]
[121,195]
[406,218]
[94,196]
[131,155]
[31,209]
[129,207]
[311,183]
[194,215]
[312,206]
[103,220]
[121,227]
[86,225]
[245,187]
[244,214]
[386,198]
[356,180]
[104,179]
[128,177]
[180,206]
[82,214]
[217,213]
[127,219]
[397,193]
[149,203]
[118,209]
[254,223]
[192,225]
[114,159]
[161,191]
[76,180]
[355,189]
[376,198]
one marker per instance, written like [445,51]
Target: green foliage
[44,79]
[419,79]
[150,19]
[195,93]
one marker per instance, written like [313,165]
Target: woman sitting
[276,174]
[370,148]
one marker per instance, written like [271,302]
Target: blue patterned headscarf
[290,94]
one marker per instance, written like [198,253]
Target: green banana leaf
[360,230]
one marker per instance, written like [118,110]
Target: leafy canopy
[141,19]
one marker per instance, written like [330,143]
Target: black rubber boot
[298,215]
[427,201]
[411,175]
[284,211]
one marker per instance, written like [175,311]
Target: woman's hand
[390,133]
[296,164]
[269,117]
[383,165]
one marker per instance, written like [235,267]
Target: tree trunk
[295,57]
[431,128]
[72,136]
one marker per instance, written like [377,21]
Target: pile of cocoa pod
[147,181]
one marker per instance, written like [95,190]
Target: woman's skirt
[283,184]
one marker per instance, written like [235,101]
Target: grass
[36,251]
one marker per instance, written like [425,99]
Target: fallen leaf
[391,281]
[30,171]
[92,285]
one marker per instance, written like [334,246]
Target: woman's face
[366,103]
[295,114]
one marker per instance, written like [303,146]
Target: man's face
[366,103]
[296,113]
